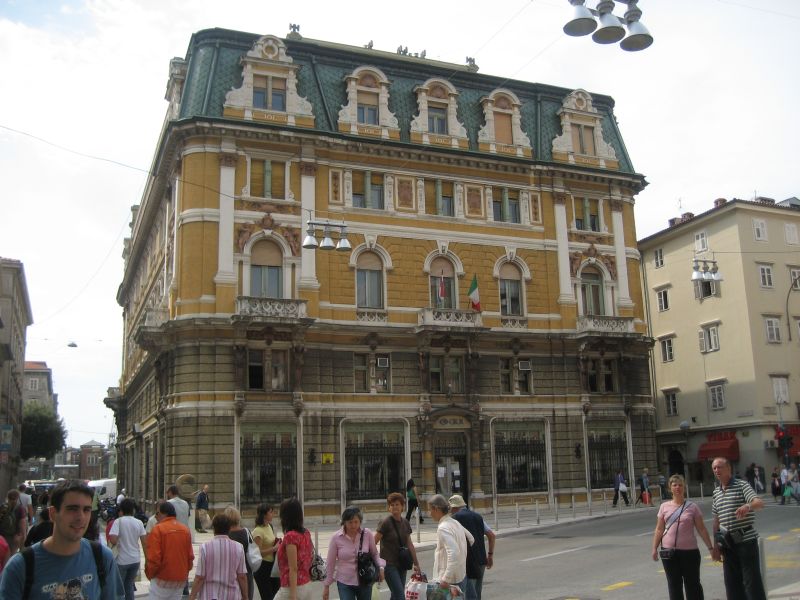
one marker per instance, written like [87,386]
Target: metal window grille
[607,454]
[268,473]
[521,465]
[374,469]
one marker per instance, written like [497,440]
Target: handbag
[367,571]
[417,587]
[404,559]
[254,558]
[318,570]
[623,488]
[669,553]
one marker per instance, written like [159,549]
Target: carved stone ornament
[227,160]
[308,169]
[267,223]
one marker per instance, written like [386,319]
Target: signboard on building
[6,434]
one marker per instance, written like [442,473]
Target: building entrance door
[451,467]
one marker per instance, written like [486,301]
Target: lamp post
[611,28]
[685,426]
[792,287]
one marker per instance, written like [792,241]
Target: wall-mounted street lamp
[328,227]
[705,270]
[793,287]
[612,27]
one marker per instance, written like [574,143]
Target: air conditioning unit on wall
[383,362]
[770,444]
[524,365]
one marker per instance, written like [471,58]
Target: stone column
[226,273]
[623,291]
[565,295]
[308,260]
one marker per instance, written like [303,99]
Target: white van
[105,488]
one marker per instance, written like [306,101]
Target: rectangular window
[359,200]
[709,338]
[267,178]
[360,373]
[382,373]
[510,301]
[663,300]
[700,241]
[705,289]
[505,376]
[33,384]
[455,379]
[601,376]
[269,93]
[671,404]
[444,198]
[524,377]
[436,369]
[773,326]
[667,354]
[513,210]
[794,278]
[790,233]
[279,370]
[266,281]
[374,462]
[446,374]
[520,457]
[442,292]
[780,389]
[583,139]
[255,370]
[437,119]
[367,109]
[765,275]
[268,463]
[658,258]
[497,210]
[503,130]
[370,288]
[760,230]
[716,394]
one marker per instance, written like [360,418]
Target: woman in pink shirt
[342,557]
[675,532]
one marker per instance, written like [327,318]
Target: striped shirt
[727,500]
[221,559]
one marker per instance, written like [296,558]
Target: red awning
[794,451]
[726,448]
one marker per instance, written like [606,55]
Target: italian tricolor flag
[474,295]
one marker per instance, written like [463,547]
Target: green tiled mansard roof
[214,68]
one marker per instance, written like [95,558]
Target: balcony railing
[604,324]
[270,308]
[450,317]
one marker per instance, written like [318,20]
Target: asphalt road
[610,558]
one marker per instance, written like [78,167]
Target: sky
[707,111]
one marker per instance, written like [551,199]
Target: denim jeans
[683,571]
[474,586]
[396,580]
[128,575]
[742,572]
[354,592]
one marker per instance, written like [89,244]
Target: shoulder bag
[318,570]
[404,559]
[253,553]
[367,571]
[668,553]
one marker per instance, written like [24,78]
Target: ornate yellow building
[269,369]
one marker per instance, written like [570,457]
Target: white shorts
[303,593]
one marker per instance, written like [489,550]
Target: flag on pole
[474,295]
[442,289]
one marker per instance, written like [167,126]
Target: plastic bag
[417,587]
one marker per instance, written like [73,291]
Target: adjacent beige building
[727,353]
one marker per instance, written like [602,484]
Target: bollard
[572,501]
[316,538]
[419,533]
[537,512]
[591,501]
[605,503]
[701,491]
[762,558]
[494,504]
[516,506]
[555,506]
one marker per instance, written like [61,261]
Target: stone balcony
[449,317]
[270,309]
[594,324]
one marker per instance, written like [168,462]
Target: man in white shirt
[127,532]
[452,541]
[121,496]
[26,502]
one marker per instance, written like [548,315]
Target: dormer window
[367,109]
[437,121]
[269,92]
[502,132]
[581,140]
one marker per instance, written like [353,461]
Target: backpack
[30,560]
[9,520]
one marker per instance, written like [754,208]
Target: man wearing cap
[478,560]
[452,541]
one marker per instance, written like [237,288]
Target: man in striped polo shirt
[733,507]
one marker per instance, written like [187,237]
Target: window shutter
[701,335]
[697,291]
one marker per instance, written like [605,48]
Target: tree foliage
[43,432]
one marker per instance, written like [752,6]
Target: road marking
[617,586]
[555,553]
[644,534]
[772,538]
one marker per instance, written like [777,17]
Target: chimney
[686,216]
[767,201]
[719,202]
[674,221]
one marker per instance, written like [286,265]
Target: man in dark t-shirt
[478,559]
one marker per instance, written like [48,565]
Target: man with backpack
[13,521]
[65,562]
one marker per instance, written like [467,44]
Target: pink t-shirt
[683,527]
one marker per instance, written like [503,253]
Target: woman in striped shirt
[221,571]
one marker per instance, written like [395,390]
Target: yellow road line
[617,586]
[772,538]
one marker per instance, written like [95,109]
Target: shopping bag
[416,588]
[646,498]
[376,593]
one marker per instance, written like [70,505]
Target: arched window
[510,290]
[592,292]
[266,270]
[369,281]
[442,284]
